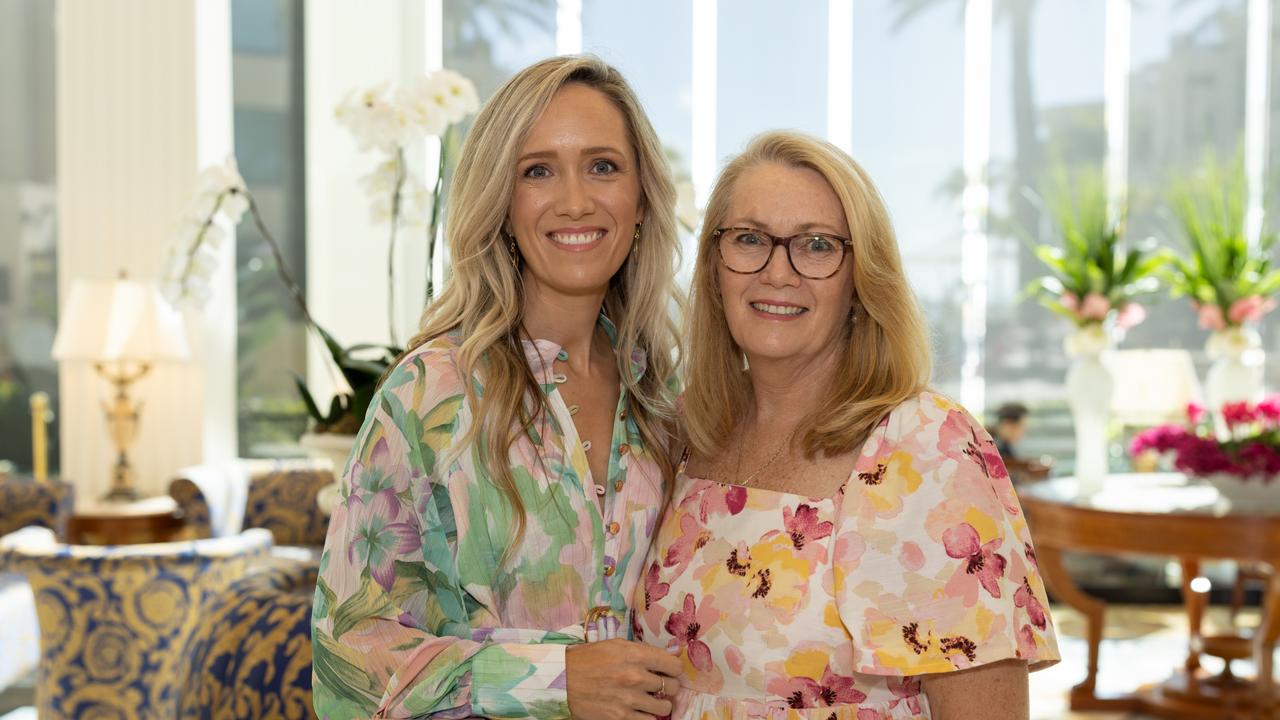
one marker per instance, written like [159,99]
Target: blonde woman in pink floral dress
[842,543]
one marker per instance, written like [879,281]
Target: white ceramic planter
[1253,495]
[1236,373]
[337,450]
[1089,391]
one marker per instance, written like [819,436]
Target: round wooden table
[1163,514]
[153,520]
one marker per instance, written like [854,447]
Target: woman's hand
[620,679]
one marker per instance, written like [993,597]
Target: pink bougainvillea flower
[1238,413]
[1070,302]
[1195,413]
[1269,408]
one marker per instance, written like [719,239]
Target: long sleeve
[394,630]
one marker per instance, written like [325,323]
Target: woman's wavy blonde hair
[886,354]
[484,298]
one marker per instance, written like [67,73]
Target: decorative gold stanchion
[39,436]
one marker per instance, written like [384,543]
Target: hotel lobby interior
[220,221]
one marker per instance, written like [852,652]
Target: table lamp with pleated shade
[123,327]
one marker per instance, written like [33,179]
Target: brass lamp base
[121,495]
[122,424]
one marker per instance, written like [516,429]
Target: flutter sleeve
[933,568]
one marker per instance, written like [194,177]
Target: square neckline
[839,492]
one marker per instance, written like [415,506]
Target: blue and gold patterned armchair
[279,495]
[25,503]
[251,656]
[116,621]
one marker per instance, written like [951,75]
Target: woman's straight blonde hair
[886,354]
[484,298]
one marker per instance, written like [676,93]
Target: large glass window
[28,228]
[267,79]
[908,102]
[1047,115]
[771,70]
[489,40]
[1186,99]
[623,34]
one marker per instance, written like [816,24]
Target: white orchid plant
[385,119]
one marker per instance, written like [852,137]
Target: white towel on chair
[226,490]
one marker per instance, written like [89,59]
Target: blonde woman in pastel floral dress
[842,542]
[505,486]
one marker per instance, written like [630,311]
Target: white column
[703,162]
[568,27]
[840,73]
[1116,101]
[143,102]
[977,156]
[1257,106]
[351,46]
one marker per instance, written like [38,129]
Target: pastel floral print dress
[415,613]
[784,606]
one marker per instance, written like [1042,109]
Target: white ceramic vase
[1236,372]
[1246,495]
[1089,391]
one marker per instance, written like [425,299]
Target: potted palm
[1098,282]
[1227,277]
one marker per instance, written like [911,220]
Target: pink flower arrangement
[1248,309]
[1096,307]
[1250,450]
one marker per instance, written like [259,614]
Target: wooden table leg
[1049,559]
[1264,645]
[1194,603]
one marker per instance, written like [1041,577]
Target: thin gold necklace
[746,482]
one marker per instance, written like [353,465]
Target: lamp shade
[1152,386]
[114,320]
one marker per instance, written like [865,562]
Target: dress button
[617,486]
[560,377]
[614,527]
[563,355]
[600,489]
[608,570]
[573,410]
[586,445]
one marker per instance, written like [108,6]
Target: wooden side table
[152,520]
[1163,514]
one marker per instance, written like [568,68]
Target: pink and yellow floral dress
[784,606]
